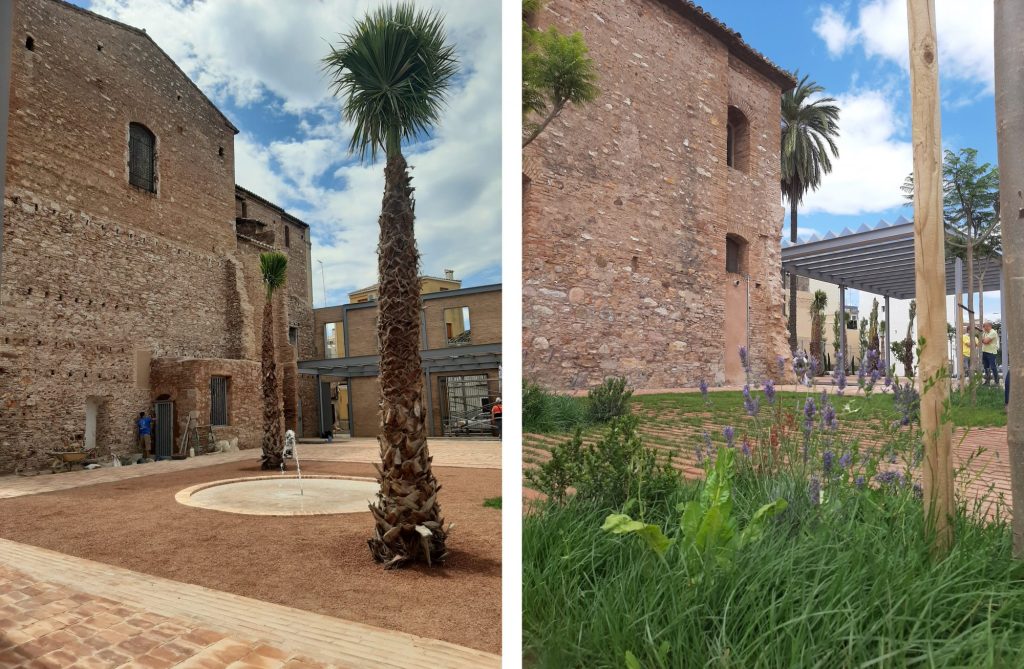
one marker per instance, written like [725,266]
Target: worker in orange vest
[496,416]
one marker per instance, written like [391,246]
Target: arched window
[735,254]
[737,141]
[141,157]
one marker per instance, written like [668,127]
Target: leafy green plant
[615,468]
[609,400]
[709,531]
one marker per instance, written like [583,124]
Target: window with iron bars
[218,400]
[141,157]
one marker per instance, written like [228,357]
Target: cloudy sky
[259,61]
[857,50]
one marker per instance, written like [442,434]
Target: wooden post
[958,320]
[1009,84]
[930,274]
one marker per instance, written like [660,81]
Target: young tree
[556,72]
[274,270]
[809,131]
[970,200]
[1009,86]
[392,73]
[818,304]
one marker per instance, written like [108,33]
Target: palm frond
[274,270]
[809,131]
[392,73]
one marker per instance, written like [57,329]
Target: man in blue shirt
[144,426]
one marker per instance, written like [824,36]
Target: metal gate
[466,403]
[164,429]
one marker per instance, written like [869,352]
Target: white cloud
[832,27]
[964,34]
[873,161]
[264,55]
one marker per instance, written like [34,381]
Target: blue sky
[259,61]
[857,50]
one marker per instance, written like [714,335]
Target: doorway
[164,428]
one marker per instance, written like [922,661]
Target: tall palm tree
[274,269]
[809,130]
[392,73]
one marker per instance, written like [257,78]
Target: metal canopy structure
[877,260]
[456,359]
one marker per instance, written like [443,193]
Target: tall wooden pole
[1009,83]
[930,274]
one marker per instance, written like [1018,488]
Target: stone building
[651,214]
[461,354]
[129,274]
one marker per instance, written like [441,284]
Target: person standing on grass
[144,430]
[966,350]
[989,349]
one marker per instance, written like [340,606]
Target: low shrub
[609,400]
[615,468]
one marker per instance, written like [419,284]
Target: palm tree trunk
[792,277]
[272,437]
[409,526]
[1009,71]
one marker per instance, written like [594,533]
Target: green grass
[493,502]
[545,413]
[988,410]
[845,584]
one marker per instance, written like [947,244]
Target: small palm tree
[392,73]
[809,130]
[274,268]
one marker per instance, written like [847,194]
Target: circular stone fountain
[280,495]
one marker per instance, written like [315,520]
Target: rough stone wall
[186,382]
[628,201]
[99,276]
[296,310]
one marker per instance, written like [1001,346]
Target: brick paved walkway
[473,453]
[59,611]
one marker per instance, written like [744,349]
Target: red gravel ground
[315,563]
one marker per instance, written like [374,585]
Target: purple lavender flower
[809,410]
[826,462]
[781,362]
[703,385]
[814,490]
[769,391]
[890,478]
[844,460]
[744,360]
[751,404]
[746,447]
[828,417]
[800,363]
[839,374]
[729,433]
[859,482]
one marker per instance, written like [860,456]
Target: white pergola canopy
[877,260]
[880,260]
